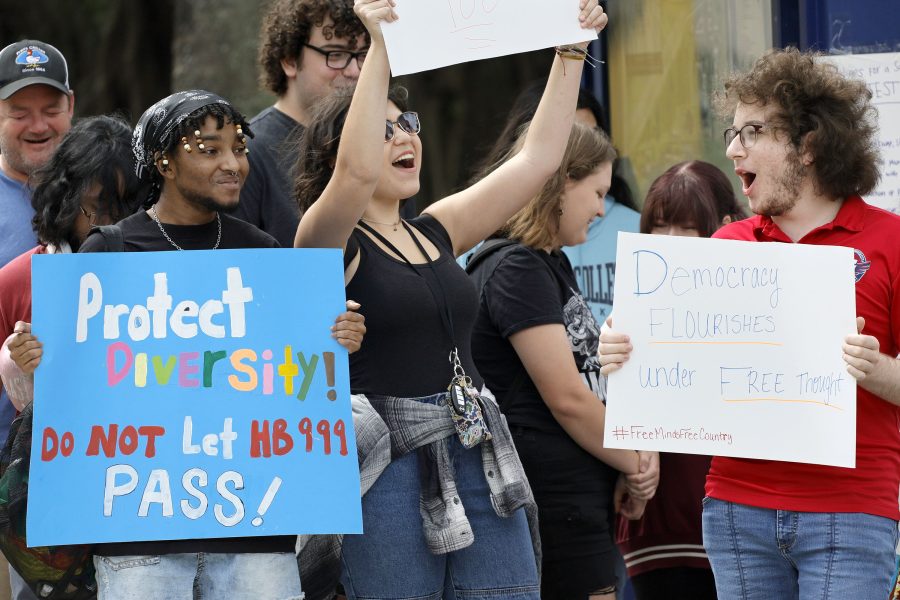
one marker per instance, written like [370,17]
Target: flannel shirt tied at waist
[388,427]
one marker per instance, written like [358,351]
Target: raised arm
[330,220]
[476,212]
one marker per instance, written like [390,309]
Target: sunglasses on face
[408,122]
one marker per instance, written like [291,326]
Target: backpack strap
[115,241]
[487,248]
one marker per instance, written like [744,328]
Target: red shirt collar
[850,216]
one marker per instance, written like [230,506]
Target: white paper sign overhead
[881,72]
[737,349]
[437,33]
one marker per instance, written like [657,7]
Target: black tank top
[406,347]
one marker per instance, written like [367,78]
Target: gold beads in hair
[187,147]
[198,139]
[240,133]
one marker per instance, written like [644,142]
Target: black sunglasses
[408,122]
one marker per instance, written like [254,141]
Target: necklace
[159,224]
[394,225]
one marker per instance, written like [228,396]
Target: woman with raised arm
[445,518]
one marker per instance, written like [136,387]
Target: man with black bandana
[191,146]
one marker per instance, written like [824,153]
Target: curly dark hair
[286,27]
[222,113]
[97,150]
[317,150]
[691,194]
[821,111]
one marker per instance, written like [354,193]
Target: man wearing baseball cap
[36,107]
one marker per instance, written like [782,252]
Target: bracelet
[571,52]
[576,53]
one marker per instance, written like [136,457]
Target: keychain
[465,407]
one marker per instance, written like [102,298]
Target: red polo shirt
[873,486]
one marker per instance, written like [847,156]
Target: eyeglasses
[90,215]
[340,59]
[747,134]
[408,122]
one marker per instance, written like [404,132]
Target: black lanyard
[439,299]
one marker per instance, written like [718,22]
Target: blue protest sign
[190,395]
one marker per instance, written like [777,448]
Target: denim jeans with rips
[263,576]
[761,554]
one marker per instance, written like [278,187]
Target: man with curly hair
[803,142]
[308,49]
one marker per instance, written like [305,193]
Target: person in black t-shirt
[442,519]
[308,49]
[191,147]
[535,342]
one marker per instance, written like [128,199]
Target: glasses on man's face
[408,122]
[340,59]
[747,134]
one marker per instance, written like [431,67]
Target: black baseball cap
[31,62]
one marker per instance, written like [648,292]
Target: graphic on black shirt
[582,330]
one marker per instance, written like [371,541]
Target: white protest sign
[881,72]
[436,33]
[737,349]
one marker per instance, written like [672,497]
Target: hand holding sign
[349,327]
[615,348]
[861,352]
[25,349]
[373,13]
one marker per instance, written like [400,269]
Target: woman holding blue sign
[444,518]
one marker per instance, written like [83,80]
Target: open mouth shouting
[747,179]
[406,161]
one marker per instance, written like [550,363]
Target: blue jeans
[391,559]
[764,554]
[19,590]
[272,576]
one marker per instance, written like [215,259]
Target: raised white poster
[437,33]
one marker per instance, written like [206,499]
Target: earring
[198,139]
[165,163]
[187,147]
